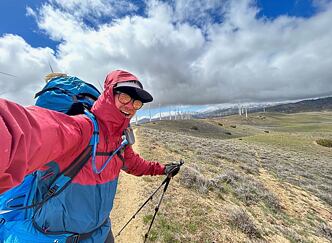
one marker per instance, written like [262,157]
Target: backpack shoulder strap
[63,180]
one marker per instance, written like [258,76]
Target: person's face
[126,105]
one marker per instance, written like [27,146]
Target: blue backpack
[69,95]
[18,205]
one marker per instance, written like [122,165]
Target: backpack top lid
[67,94]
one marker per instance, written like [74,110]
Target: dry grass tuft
[252,192]
[192,178]
[325,231]
[325,142]
[241,220]
[247,189]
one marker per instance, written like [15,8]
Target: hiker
[32,136]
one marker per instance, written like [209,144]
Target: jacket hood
[104,108]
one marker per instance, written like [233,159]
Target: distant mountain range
[318,104]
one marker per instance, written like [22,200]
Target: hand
[172,169]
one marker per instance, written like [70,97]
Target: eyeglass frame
[132,100]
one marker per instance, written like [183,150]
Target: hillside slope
[269,183]
[321,104]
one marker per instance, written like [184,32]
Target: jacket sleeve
[32,136]
[136,165]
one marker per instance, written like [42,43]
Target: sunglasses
[125,99]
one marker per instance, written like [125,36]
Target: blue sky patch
[14,20]
[298,8]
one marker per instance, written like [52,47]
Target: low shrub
[325,230]
[324,142]
[192,178]
[252,192]
[229,177]
[241,220]
[250,169]
[246,189]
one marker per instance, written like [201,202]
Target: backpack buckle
[52,190]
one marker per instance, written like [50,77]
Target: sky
[193,52]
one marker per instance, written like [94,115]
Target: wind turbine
[8,74]
[49,64]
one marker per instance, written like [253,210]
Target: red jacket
[32,136]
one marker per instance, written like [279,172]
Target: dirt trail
[127,201]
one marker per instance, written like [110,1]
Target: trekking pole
[168,179]
[166,182]
[150,198]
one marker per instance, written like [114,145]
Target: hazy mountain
[320,104]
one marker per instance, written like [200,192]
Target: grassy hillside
[261,179]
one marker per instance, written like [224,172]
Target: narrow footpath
[126,203]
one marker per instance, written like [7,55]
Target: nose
[130,105]
[129,108]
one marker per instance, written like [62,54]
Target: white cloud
[28,64]
[198,12]
[92,10]
[240,59]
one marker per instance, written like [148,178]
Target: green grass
[306,128]
[199,128]
[282,140]
[298,122]
[147,218]
[163,229]
[193,227]
[301,122]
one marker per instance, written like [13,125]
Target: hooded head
[108,110]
